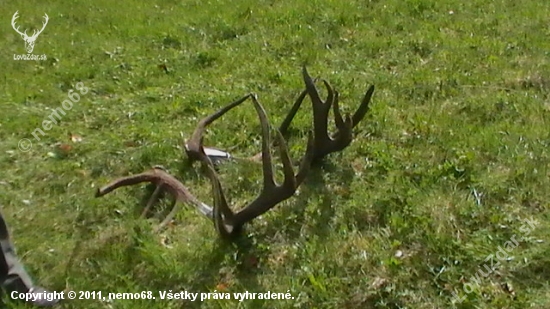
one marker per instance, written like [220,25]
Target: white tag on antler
[216,153]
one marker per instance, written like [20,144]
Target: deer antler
[325,144]
[162,181]
[320,143]
[193,145]
[227,223]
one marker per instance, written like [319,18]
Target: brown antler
[320,144]
[325,144]
[162,181]
[227,223]
[193,145]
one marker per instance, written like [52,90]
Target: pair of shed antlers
[227,222]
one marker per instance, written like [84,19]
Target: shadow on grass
[203,270]
[108,246]
[131,251]
[315,186]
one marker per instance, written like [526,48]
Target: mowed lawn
[441,200]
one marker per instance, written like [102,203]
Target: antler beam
[162,181]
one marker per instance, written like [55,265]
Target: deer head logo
[29,40]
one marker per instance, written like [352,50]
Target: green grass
[461,110]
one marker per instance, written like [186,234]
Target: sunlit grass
[445,169]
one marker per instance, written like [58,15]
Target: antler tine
[223,216]
[267,165]
[283,128]
[152,200]
[320,108]
[305,162]
[364,107]
[343,137]
[345,129]
[307,159]
[194,146]
[341,124]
